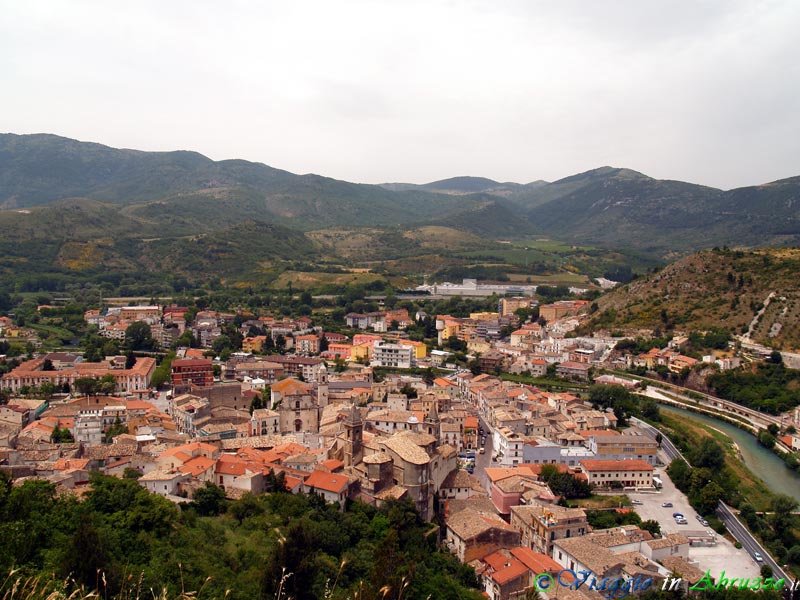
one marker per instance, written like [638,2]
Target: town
[370,415]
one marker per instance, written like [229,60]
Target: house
[543,524]
[254,344]
[163,483]
[508,446]
[385,354]
[31,373]
[333,487]
[270,372]
[573,370]
[420,348]
[307,344]
[618,473]
[460,485]
[198,372]
[506,486]
[610,553]
[619,447]
[264,422]
[563,308]
[508,306]
[473,534]
[508,573]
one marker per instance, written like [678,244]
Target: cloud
[416,91]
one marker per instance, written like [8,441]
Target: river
[762,462]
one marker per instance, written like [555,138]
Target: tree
[710,496]
[163,371]
[138,336]
[709,454]
[649,410]
[775,357]
[86,385]
[679,473]
[220,343]
[209,501]
[616,397]
[409,390]
[782,517]
[256,403]
[765,439]
[130,473]
[107,385]
[86,555]
[47,365]
[114,430]
[652,526]
[61,436]
[247,506]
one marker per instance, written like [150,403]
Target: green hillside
[179,214]
[620,208]
[40,169]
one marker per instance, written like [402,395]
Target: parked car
[666,504]
[636,501]
[482,450]
[677,515]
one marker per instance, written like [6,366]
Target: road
[714,404]
[734,526]
[666,444]
[747,541]
[484,460]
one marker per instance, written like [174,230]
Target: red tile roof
[328,482]
[617,465]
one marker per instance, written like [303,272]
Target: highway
[734,526]
[747,541]
[666,444]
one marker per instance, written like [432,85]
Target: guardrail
[746,539]
[737,529]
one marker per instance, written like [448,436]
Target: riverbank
[744,449]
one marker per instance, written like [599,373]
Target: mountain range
[55,190]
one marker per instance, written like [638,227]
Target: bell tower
[353,437]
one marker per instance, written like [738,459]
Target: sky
[416,91]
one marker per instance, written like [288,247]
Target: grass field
[595,501]
[570,279]
[301,280]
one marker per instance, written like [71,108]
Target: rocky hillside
[714,288]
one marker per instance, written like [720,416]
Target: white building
[508,445]
[392,355]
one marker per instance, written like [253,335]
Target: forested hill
[608,207]
[41,169]
[123,541]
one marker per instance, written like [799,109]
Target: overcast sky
[707,92]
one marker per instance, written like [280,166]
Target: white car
[757,556]
[635,501]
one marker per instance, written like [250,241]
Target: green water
[762,462]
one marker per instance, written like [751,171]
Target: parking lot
[722,557]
